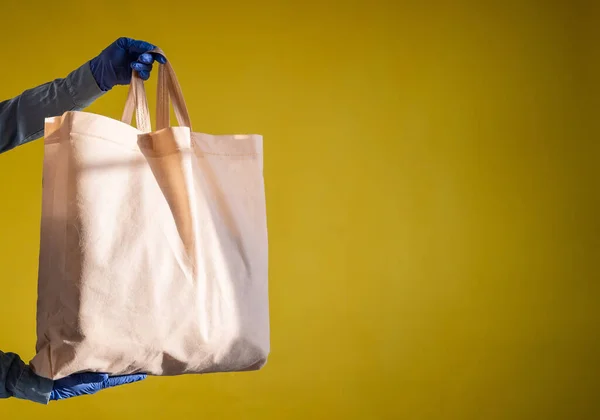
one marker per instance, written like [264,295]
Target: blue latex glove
[88,383]
[114,65]
[20,381]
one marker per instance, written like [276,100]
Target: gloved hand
[18,380]
[88,383]
[114,65]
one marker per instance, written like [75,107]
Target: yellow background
[433,199]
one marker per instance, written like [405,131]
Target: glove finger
[149,58]
[123,380]
[144,75]
[140,47]
[89,378]
[141,66]
[146,58]
[159,57]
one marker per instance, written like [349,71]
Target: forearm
[22,118]
[18,380]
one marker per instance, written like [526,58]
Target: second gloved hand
[114,65]
[89,383]
[18,380]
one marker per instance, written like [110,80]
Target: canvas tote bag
[153,250]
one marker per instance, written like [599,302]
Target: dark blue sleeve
[22,118]
[18,380]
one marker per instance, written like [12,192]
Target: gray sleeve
[18,380]
[22,117]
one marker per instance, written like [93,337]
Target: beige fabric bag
[153,245]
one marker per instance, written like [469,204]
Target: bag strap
[136,100]
[169,89]
[162,101]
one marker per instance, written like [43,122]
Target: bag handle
[168,87]
[137,101]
